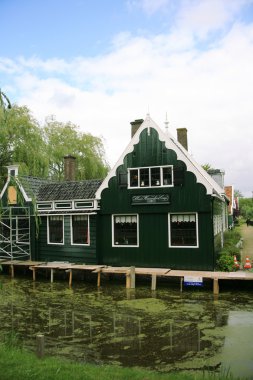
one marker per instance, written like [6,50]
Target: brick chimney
[182,137]
[135,125]
[69,168]
[218,176]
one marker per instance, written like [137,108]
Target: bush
[225,261]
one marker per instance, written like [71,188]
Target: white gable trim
[26,198]
[182,154]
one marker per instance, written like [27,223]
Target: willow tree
[39,150]
[5,106]
[22,142]
[66,138]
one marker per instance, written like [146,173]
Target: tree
[65,138]
[207,167]
[39,150]
[5,106]
[238,194]
[22,142]
[246,207]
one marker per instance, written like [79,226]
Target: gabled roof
[41,189]
[68,190]
[32,185]
[202,176]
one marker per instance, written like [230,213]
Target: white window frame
[63,230]
[137,232]
[71,230]
[63,205]
[149,168]
[44,206]
[197,230]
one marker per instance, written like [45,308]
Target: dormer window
[13,170]
[156,176]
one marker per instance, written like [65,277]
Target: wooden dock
[129,272]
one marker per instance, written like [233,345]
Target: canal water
[164,330]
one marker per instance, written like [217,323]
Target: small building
[233,206]
[156,208]
[56,220]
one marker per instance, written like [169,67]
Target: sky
[104,63]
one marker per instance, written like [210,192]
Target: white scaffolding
[15,239]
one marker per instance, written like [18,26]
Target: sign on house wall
[150,199]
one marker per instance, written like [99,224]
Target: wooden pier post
[132,277]
[34,274]
[128,279]
[99,278]
[153,282]
[52,275]
[40,346]
[215,286]
[70,277]
[181,284]
[12,270]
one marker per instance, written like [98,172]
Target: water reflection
[164,330]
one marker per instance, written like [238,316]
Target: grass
[16,363]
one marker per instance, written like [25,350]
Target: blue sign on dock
[193,281]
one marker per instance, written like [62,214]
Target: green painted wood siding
[186,196]
[67,252]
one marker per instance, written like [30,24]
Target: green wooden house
[159,208]
[57,220]
[156,208]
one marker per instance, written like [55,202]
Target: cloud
[149,6]
[204,16]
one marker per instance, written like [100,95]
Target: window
[63,205]
[151,176]
[125,230]
[44,206]
[144,177]
[183,230]
[134,177]
[217,224]
[81,204]
[55,229]
[80,230]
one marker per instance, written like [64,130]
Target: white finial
[148,114]
[166,124]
